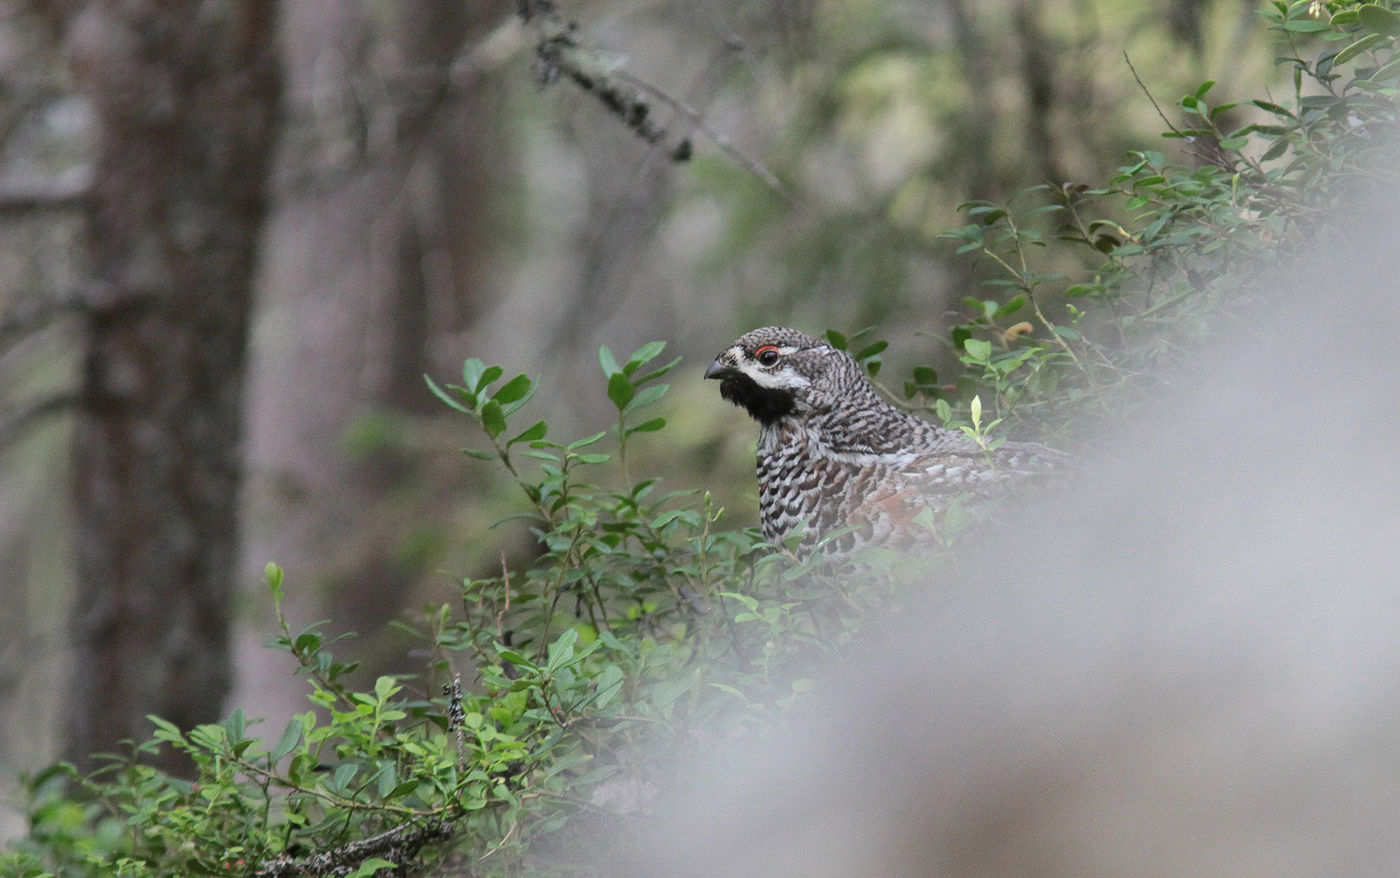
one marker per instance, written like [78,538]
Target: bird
[844,468]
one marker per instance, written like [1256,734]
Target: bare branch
[20,195]
[14,425]
[696,118]
[560,52]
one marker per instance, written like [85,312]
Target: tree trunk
[184,103]
[377,243]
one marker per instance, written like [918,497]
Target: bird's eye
[767,355]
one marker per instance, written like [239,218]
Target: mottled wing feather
[905,505]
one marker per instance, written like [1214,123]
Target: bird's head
[775,373]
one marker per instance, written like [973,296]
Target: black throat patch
[765,404]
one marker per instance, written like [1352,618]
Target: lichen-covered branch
[560,52]
[398,846]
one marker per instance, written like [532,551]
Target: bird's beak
[718,369]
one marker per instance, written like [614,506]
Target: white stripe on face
[779,376]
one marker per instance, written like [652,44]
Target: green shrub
[640,625]
[1102,290]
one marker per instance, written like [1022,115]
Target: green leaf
[608,361]
[750,602]
[989,213]
[165,729]
[943,409]
[516,658]
[443,395]
[656,373]
[620,390]
[291,737]
[491,374]
[372,867]
[645,354]
[1378,18]
[472,370]
[978,349]
[388,781]
[480,455]
[1305,26]
[345,773]
[1389,71]
[585,441]
[561,651]
[532,433]
[235,725]
[515,389]
[609,684]
[1011,307]
[648,426]
[384,687]
[837,340]
[730,690]
[493,420]
[872,350]
[1351,52]
[1223,108]
[647,396]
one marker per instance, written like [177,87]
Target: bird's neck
[873,427]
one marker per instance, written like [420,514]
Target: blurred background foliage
[433,200]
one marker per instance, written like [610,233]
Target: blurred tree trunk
[1038,78]
[375,247]
[979,123]
[184,108]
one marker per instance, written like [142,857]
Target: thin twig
[1207,151]
[1142,85]
[696,118]
[500,616]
